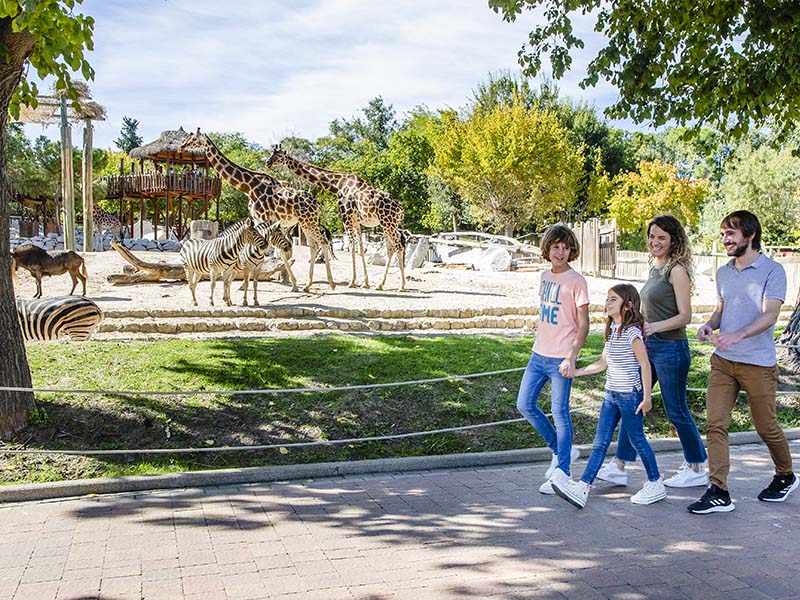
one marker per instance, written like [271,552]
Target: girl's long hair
[631,310]
[680,251]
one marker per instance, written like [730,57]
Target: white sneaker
[574,455]
[547,486]
[688,477]
[613,473]
[652,491]
[574,492]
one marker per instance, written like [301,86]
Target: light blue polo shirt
[743,294]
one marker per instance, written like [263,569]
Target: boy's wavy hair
[631,311]
[680,251]
[563,234]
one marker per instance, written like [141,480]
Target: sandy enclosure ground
[426,287]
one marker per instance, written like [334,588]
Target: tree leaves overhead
[62,37]
[726,63]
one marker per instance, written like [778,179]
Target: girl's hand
[567,368]
[644,407]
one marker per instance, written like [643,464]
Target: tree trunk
[508,230]
[790,357]
[14,371]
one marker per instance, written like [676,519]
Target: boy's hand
[644,407]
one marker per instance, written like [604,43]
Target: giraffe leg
[326,252]
[313,247]
[361,245]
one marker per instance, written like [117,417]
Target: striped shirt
[623,373]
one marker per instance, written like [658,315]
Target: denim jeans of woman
[670,360]
[619,408]
[539,371]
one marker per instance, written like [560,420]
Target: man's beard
[739,250]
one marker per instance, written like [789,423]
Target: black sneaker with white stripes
[780,488]
[714,500]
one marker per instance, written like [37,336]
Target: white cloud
[273,68]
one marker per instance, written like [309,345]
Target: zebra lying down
[51,318]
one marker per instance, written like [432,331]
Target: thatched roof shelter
[48,108]
[167,148]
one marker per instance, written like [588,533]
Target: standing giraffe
[360,204]
[104,220]
[270,201]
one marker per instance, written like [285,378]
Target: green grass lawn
[124,421]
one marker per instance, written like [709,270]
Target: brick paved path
[465,534]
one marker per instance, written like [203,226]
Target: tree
[513,165]
[729,64]
[762,180]
[49,37]
[128,139]
[655,189]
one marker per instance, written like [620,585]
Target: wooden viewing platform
[147,185]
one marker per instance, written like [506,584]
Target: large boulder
[494,259]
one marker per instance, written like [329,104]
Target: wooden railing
[152,184]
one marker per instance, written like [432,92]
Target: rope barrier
[296,390]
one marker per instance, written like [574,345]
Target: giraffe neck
[242,179]
[327,180]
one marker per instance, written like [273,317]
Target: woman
[667,309]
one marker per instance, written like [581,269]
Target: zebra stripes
[51,318]
[251,258]
[216,257]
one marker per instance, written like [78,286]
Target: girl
[627,398]
[560,334]
[667,309]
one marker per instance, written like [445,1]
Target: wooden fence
[598,240]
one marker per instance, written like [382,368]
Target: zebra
[251,258]
[50,318]
[216,257]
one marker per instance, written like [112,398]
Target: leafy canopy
[61,39]
[512,164]
[655,189]
[727,63]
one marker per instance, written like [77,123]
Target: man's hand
[704,333]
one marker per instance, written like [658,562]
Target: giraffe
[269,200]
[360,204]
[104,220]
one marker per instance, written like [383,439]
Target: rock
[416,253]
[494,259]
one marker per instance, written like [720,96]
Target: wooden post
[66,179]
[88,200]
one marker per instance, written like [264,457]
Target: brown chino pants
[760,384]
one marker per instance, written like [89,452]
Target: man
[750,291]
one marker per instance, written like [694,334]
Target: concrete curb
[82,487]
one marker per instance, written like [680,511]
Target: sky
[275,68]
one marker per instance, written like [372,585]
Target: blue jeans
[539,371]
[670,360]
[620,406]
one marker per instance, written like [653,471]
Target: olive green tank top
[658,302]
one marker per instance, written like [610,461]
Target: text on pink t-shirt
[560,296]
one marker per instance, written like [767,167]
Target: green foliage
[513,165]
[730,64]
[61,37]
[765,181]
[128,139]
[655,189]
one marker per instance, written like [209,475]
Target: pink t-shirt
[560,295]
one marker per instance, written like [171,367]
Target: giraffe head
[278,156]
[197,141]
